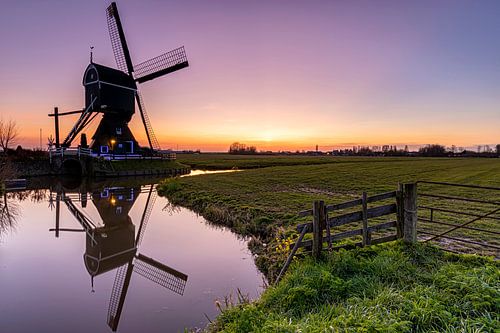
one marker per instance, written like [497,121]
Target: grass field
[263,202]
[228,161]
[388,288]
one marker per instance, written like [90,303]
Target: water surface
[100,268]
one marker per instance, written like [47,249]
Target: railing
[404,222]
[460,218]
[79,152]
[122,157]
[62,151]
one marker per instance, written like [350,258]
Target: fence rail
[404,207]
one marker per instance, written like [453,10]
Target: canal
[112,255]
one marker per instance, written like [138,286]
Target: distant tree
[9,133]
[498,149]
[433,150]
[235,147]
[240,148]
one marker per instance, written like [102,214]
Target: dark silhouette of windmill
[115,245]
[114,92]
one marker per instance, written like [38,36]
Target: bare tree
[9,133]
[6,169]
[9,212]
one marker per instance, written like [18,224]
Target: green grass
[264,202]
[219,161]
[387,288]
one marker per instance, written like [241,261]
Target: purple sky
[278,74]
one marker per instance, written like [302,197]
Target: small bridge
[80,161]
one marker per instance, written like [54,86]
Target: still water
[98,257]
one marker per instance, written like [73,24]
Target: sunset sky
[278,74]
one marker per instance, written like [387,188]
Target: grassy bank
[264,202]
[385,288]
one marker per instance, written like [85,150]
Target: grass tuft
[386,288]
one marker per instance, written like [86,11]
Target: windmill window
[119,130]
[118,210]
[105,194]
[104,149]
[131,197]
[130,147]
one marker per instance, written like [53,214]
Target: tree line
[430,150]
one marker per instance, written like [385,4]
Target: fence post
[400,211]
[410,212]
[366,240]
[318,226]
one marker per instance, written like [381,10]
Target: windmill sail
[118,294]
[118,42]
[150,201]
[163,64]
[153,141]
[161,274]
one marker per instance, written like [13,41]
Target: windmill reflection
[114,244]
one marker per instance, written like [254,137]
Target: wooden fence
[322,225]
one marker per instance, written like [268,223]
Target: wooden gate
[460,218]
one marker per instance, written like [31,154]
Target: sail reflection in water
[114,244]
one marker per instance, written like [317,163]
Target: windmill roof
[111,75]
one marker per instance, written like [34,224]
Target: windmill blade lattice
[163,64]
[153,141]
[161,274]
[117,299]
[120,49]
[150,202]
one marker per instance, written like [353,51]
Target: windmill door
[129,147]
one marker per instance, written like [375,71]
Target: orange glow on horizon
[214,135]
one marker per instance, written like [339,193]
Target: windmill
[114,92]
[115,244]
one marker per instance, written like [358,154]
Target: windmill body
[112,93]
[113,244]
